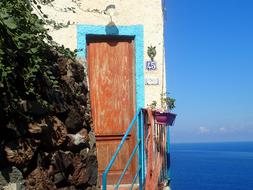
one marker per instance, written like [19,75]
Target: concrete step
[122,187]
[136,187]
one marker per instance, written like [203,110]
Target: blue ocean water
[212,166]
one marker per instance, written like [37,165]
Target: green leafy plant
[151,52]
[167,103]
[153,105]
[27,57]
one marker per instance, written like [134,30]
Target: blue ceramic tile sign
[151,65]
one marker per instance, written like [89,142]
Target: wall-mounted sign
[152,81]
[151,65]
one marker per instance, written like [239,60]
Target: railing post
[140,150]
[168,154]
[142,147]
[138,118]
[104,181]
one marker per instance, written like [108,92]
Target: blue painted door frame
[135,31]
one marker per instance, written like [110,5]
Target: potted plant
[163,115]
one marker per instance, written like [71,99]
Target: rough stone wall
[128,12]
[56,150]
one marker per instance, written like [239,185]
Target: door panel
[111,73]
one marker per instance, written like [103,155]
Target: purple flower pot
[165,118]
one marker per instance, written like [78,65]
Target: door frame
[134,31]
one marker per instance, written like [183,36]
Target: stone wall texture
[56,149]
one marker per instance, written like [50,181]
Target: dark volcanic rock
[39,180]
[36,108]
[77,142]
[20,151]
[37,127]
[54,134]
[92,167]
[80,176]
[74,121]
[54,147]
[62,65]
[77,72]
[11,177]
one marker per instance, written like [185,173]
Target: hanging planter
[164,118]
[163,115]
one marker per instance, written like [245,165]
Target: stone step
[136,187]
[122,187]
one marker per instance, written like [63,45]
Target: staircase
[123,187]
[153,158]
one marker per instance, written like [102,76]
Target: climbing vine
[27,56]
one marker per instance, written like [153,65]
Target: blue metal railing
[139,147]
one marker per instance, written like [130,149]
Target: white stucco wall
[128,12]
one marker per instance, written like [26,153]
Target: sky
[209,67]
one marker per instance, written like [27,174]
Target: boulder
[37,127]
[20,151]
[54,134]
[47,143]
[74,121]
[11,178]
[39,179]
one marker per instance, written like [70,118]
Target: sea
[212,166]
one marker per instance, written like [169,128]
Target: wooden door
[111,82]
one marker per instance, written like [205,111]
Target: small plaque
[152,81]
[151,65]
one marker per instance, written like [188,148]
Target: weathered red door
[111,82]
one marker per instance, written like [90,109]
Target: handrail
[138,146]
[128,163]
[153,158]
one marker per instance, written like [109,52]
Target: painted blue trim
[107,169]
[140,136]
[168,154]
[135,177]
[128,164]
[135,31]
[142,151]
